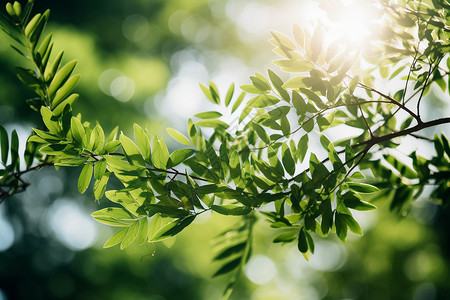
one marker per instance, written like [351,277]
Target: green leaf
[15,162]
[208,115]
[37,30]
[295,83]
[78,131]
[51,70]
[172,228]
[113,216]
[213,158]
[302,244]
[208,94]
[286,237]
[294,66]
[214,92]
[288,161]
[4,144]
[131,151]
[27,76]
[260,84]
[327,217]
[64,90]
[308,125]
[302,147]
[229,95]
[58,110]
[233,210]
[116,238]
[228,267]
[178,136]
[32,25]
[112,146]
[278,84]
[160,154]
[352,224]
[143,231]
[85,177]
[61,77]
[299,103]
[238,102]
[179,156]
[324,141]
[231,250]
[97,139]
[362,187]
[263,135]
[283,40]
[341,226]
[354,202]
[212,123]
[131,236]
[285,126]
[313,97]
[169,211]
[100,185]
[262,101]
[396,72]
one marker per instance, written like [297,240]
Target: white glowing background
[71,225]
[260,269]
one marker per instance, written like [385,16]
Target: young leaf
[238,102]
[61,77]
[78,131]
[85,177]
[229,95]
[131,236]
[58,110]
[131,151]
[143,231]
[113,216]
[178,136]
[278,84]
[213,123]
[97,139]
[50,71]
[160,154]
[208,115]
[116,238]
[64,90]
[352,224]
[100,185]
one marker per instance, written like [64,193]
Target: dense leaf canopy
[269,150]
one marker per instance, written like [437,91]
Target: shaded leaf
[234,210]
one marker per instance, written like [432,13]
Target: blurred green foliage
[409,262]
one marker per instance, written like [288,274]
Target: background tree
[254,168]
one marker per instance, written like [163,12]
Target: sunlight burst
[352,22]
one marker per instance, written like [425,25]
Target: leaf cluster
[267,163]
